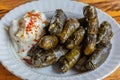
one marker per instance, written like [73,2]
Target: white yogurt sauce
[26,31]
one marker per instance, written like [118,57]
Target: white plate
[73,9]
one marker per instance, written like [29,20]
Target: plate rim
[70,1]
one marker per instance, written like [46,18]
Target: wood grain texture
[7,5]
[112,7]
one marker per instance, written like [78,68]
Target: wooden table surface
[112,7]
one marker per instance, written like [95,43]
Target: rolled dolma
[80,65]
[76,38]
[67,61]
[93,26]
[57,22]
[90,14]
[43,58]
[98,56]
[70,27]
[48,42]
[105,33]
[90,44]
